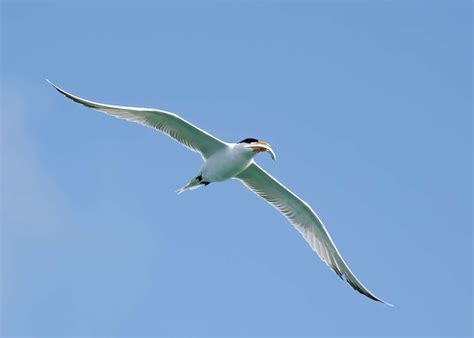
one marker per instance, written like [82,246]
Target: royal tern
[223,161]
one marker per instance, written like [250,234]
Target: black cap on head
[249,140]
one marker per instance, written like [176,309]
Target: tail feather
[180,191]
[194,184]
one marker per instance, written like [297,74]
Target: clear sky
[368,106]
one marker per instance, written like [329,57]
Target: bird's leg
[199,178]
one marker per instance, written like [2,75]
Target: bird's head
[255,146]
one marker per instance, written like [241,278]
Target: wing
[171,124]
[305,220]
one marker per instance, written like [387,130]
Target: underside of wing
[305,220]
[170,124]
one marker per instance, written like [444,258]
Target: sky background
[368,106]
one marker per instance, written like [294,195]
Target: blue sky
[368,106]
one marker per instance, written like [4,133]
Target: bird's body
[223,161]
[226,163]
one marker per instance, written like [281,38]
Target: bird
[226,160]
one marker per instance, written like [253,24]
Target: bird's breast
[224,165]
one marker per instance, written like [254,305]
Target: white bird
[223,161]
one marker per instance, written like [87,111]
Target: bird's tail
[194,184]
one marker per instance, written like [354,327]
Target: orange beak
[261,146]
[258,149]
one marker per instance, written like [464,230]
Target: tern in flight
[223,161]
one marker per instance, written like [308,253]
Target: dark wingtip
[54,86]
[70,96]
[379,300]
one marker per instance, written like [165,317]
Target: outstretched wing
[171,124]
[305,220]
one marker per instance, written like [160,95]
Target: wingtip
[62,91]
[52,84]
[385,303]
[380,300]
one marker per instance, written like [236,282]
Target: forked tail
[193,184]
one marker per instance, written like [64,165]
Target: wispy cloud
[33,209]
[31,201]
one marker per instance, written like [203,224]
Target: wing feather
[168,123]
[305,220]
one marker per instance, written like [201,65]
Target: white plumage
[223,161]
